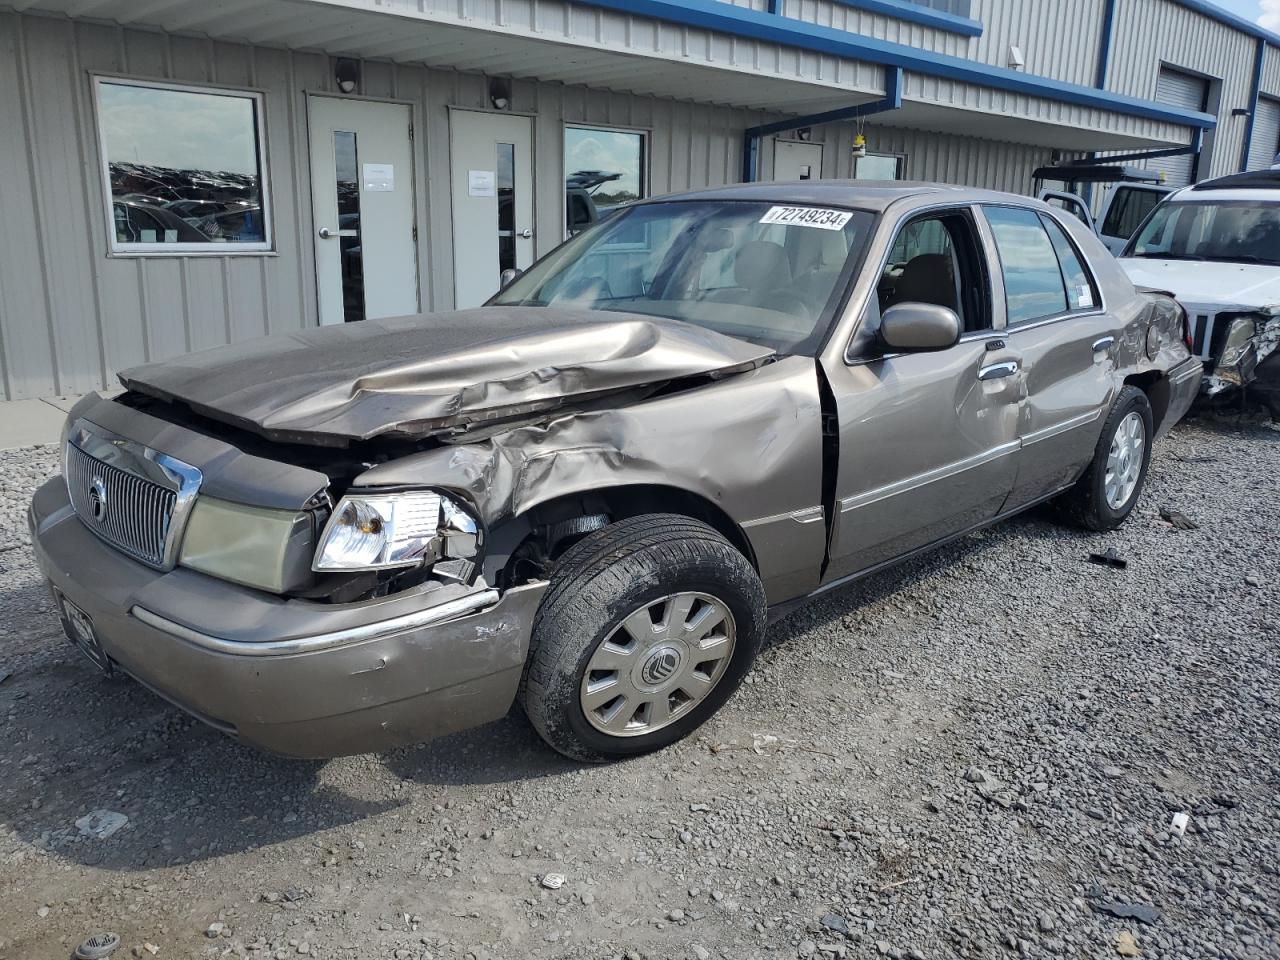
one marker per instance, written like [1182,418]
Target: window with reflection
[603,169]
[183,168]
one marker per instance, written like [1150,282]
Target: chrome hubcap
[1124,462]
[658,665]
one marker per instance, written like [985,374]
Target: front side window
[934,259]
[602,170]
[1237,231]
[183,168]
[1033,282]
[764,272]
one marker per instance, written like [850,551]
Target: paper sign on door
[379,177]
[482,183]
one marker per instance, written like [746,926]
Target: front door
[797,160]
[491,168]
[927,441]
[362,202]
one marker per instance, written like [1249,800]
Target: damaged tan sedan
[591,494]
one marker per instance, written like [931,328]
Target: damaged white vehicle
[1216,248]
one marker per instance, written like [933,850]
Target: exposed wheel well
[541,534]
[1156,386]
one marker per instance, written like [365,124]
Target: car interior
[935,260]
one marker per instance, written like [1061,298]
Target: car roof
[871,195]
[1257,185]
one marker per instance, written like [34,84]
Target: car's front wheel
[648,627]
[1105,496]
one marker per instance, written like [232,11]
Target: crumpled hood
[1207,283]
[413,376]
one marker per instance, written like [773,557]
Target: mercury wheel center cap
[661,665]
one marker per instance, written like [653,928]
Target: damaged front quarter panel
[749,446]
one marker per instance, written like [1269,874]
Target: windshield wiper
[1169,256]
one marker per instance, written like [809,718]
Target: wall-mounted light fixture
[1240,112]
[500,92]
[804,134]
[346,74]
[1016,60]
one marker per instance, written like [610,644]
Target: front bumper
[292,676]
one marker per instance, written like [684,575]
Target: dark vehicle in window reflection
[139,222]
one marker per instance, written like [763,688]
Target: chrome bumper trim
[430,617]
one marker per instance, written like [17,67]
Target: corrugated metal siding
[1058,39]
[1266,134]
[1190,93]
[941,158]
[1151,32]
[70,316]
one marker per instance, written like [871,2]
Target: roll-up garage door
[1266,134]
[1189,92]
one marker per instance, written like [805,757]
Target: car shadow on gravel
[73,741]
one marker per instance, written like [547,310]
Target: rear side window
[1033,281]
[1082,294]
[1128,209]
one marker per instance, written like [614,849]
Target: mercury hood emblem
[98,499]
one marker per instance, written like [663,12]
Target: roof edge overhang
[757,25]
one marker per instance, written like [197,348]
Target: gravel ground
[969,756]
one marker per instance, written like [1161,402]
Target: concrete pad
[24,423]
[63,403]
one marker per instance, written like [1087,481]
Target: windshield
[763,272]
[1235,231]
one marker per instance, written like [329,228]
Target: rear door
[926,440]
[1124,209]
[1067,341]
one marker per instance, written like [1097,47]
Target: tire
[646,563]
[1086,504]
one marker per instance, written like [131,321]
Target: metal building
[181,174]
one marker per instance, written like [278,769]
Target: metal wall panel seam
[1254,95]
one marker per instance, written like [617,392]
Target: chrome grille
[130,512]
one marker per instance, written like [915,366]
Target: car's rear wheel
[648,627]
[1105,496]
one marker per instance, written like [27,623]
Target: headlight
[256,546]
[385,531]
[1239,335]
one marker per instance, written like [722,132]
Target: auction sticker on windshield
[808,217]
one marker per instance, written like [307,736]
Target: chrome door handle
[1106,343]
[998,371]
[526,234]
[326,234]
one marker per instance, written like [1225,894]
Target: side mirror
[507,277]
[919,327]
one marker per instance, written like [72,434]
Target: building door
[1189,92]
[1266,134]
[491,166]
[797,160]
[362,204]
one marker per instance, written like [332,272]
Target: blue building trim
[915,13]
[1104,44]
[1215,12]
[752,136]
[759,25]
[1255,92]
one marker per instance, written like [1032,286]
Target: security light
[346,74]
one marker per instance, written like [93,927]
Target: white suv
[1216,248]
